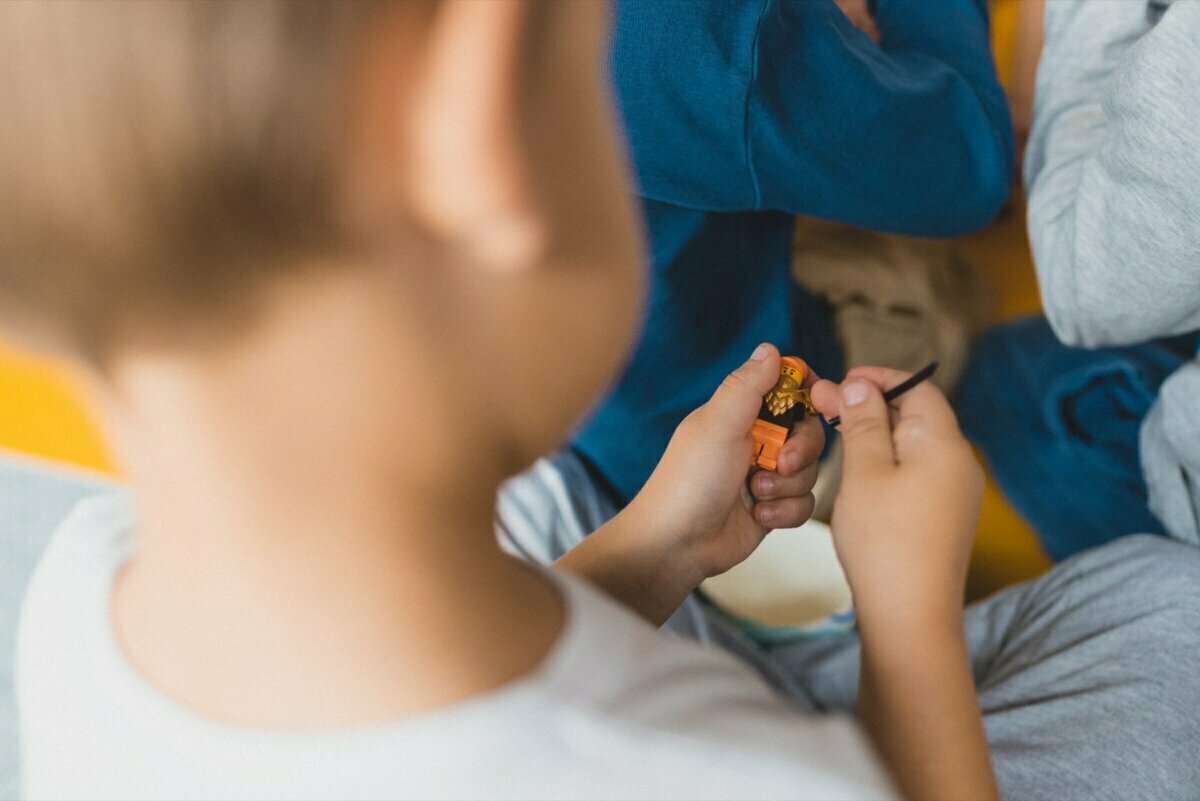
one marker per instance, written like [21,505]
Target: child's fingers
[924,400]
[732,408]
[765,485]
[866,428]
[827,397]
[803,447]
[785,512]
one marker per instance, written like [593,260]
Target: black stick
[898,390]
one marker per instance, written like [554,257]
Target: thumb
[734,406]
[866,428]
[827,398]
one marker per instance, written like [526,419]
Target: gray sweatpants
[1086,676]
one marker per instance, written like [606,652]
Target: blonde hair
[160,160]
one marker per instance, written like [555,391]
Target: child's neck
[330,623]
[297,569]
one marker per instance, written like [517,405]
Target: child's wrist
[671,552]
[657,550]
[905,621]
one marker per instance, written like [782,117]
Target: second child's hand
[906,561]
[890,395]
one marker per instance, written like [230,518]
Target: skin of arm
[859,13]
[923,715]
[698,514]
[903,526]
[634,568]
[1112,171]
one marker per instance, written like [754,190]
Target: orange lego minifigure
[778,412]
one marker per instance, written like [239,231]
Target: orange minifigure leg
[768,439]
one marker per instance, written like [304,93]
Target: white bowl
[791,587]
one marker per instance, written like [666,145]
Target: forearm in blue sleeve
[912,135]
[681,70]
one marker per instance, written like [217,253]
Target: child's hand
[699,501]
[909,501]
[698,515]
[902,526]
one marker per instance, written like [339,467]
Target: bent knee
[1147,573]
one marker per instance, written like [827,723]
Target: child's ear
[468,164]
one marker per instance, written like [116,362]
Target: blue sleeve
[784,105]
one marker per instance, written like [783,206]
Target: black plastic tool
[904,386]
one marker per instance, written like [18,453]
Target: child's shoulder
[639,679]
[74,572]
[662,716]
[65,609]
[96,536]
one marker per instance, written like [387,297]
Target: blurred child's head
[429,191]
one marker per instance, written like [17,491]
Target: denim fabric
[740,114]
[1059,428]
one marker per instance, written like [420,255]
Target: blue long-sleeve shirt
[741,114]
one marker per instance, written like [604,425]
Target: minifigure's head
[348,200]
[787,390]
[793,369]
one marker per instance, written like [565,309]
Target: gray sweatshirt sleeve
[1113,170]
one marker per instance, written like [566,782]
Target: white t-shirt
[617,710]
